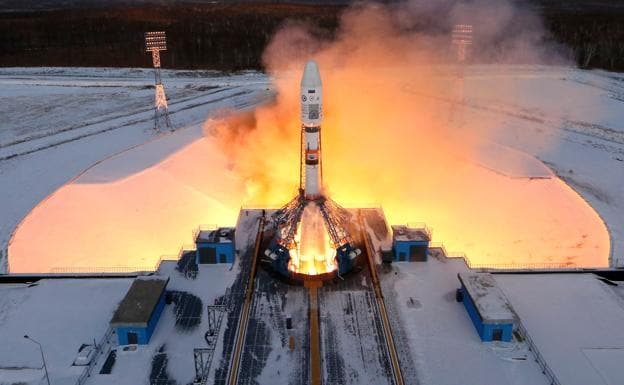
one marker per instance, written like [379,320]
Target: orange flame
[313,252]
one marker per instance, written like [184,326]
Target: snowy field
[577,355]
[41,311]
[60,122]
[573,121]
[440,335]
[57,123]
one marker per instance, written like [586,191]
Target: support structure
[154,43]
[462,40]
[203,356]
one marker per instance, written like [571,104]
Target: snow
[572,120]
[487,297]
[577,134]
[608,363]
[61,314]
[510,162]
[571,319]
[68,119]
[440,334]
[134,367]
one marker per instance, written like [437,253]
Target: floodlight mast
[461,39]
[154,43]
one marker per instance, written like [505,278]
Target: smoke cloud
[395,133]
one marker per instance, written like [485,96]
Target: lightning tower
[154,43]
[462,40]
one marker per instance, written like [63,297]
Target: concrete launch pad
[296,326]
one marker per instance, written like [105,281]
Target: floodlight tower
[461,39]
[154,43]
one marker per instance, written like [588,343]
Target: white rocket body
[311,118]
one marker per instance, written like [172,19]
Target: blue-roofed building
[410,244]
[488,308]
[215,246]
[138,313]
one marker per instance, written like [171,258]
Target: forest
[232,36]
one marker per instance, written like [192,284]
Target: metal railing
[103,348]
[117,269]
[204,227]
[541,361]
[506,266]
[420,226]
[100,269]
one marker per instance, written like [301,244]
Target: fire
[313,252]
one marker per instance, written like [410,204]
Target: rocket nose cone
[311,76]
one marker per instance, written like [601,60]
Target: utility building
[215,246]
[487,306]
[138,313]
[410,243]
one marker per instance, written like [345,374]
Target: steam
[390,136]
[383,75]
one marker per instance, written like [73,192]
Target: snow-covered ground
[570,119]
[440,335]
[60,314]
[57,122]
[575,321]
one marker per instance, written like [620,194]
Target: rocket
[311,118]
[310,233]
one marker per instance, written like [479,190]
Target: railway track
[373,326]
[379,300]
[245,312]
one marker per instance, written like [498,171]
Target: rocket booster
[311,118]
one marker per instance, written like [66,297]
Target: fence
[203,227]
[116,269]
[505,266]
[546,370]
[421,226]
[103,348]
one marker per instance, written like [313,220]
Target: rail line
[244,320]
[394,357]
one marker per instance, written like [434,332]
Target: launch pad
[288,256]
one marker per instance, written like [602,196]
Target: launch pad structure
[303,310]
[312,214]
[282,265]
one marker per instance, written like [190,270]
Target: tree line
[232,36]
